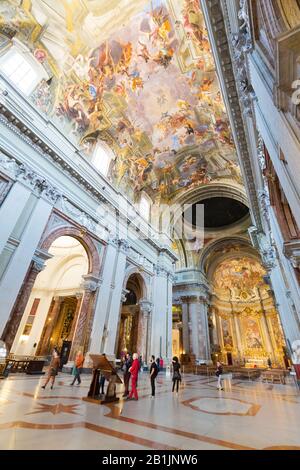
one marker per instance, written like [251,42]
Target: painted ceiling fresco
[241,277]
[137,74]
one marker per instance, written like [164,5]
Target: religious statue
[296,352]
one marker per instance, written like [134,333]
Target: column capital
[160,270]
[90,283]
[121,243]
[39,259]
[146,306]
[194,298]
[124,295]
[9,166]
[291,251]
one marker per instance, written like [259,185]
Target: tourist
[127,365]
[176,373]
[78,365]
[53,369]
[269,363]
[161,363]
[219,372]
[157,363]
[134,371]
[153,375]
[102,383]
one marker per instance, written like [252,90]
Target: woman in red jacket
[134,371]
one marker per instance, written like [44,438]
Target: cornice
[217,27]
[14,123]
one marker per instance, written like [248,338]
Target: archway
[55,301]
[131,332]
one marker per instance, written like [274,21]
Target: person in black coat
[153,375]
[219,372]
[127,365]
[176,373]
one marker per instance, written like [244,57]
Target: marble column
[51,319]
[15,273]
[204,343]
[143,329]
[103,302]
[266,334]
[79,298]
[112,321]
[219,331]
[238,335]
[11,209]
[169,314]
[84,323]
[272,337]
[15,318]
[185,326]
[159,314]
[194,314]
[198,327]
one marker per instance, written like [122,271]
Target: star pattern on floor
[55,409]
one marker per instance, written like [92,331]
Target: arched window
[22,69]
[145,206]
[102,158]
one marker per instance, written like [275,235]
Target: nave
[245,416]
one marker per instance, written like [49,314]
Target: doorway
[229,359]
[57,296]
[130,331]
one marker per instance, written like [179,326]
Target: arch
[212,253]
[213,190]
[143,281]
[83,238]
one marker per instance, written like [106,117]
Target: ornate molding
[9,166]
[23,173]
[265,246]
[82,218]
[220,35]
[242,45]
[140,260]
[123,246]
[15,124]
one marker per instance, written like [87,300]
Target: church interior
[150,206]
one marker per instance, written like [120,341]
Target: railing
[16,363]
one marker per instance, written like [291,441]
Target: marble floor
[246,415]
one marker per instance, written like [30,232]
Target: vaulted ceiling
[138,75]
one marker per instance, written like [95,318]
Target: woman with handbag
[176,373]
[53,369]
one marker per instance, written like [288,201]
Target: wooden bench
[274,376]
[245,372]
